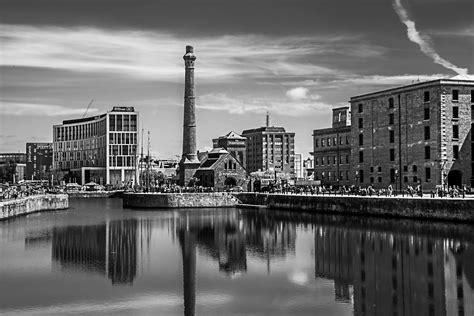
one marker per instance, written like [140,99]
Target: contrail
[423,40]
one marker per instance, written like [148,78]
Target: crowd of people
[20,191]
[440,191]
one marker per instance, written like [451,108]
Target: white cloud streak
[157,55]
[423,41]
[288,107]
[38,109]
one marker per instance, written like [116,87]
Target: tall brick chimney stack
[189,161]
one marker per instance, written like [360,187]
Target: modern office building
[101,148]
[332,150]
[39,161]
[234,144]
[270,148]
[419,134]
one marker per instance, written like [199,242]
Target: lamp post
[396,181]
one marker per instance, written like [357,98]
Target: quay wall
[416,207]
[31,204]
[179,200]
[94,194]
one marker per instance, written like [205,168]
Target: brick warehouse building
[415,134]
[332,150]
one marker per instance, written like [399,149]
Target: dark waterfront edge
[438,209]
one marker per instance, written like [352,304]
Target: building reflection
[109,249]
[227,237]
[386,273]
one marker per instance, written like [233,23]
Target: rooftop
[459,79]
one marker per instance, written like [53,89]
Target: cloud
[34,109]
[371,80]
[299,93]
[424,41]
[258,105]
[157,55]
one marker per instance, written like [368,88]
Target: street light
[396,180]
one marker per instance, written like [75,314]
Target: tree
[8,171]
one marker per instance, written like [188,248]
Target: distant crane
[87,109]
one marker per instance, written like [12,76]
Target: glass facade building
[102,148]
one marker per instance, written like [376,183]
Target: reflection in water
[108,249]
[395,273]
[377,267]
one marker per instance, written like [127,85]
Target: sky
[296,59]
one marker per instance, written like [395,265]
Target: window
[361,139]
[322,161]
[361,176]
[361,123]
[361,156]
[390,103]
[415,168]
[427,132]
[361,108]
[371,169]
[392,154]
[322,142]
[426,96]
[391,118]
[405,168]
[392,175]
[316,161]
[329,142]
[472,95]
[427,152]
[427,114]
[392,136]
[428,174]
[347,158]
[455,112]
[371,179]
[415,179]
[405,179]
[456,152]
[379,169]
[379,179]
[455,95]
[316,143]
[456,131]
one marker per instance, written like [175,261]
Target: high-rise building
[234,144]
[332,150]
[39,161]
[419,134]
[270,148]
[101,148]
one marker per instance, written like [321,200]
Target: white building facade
[101,148]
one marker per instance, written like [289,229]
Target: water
[97,258]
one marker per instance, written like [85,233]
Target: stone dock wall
[31,204]
[95,194]
[420,208]
[178,200]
